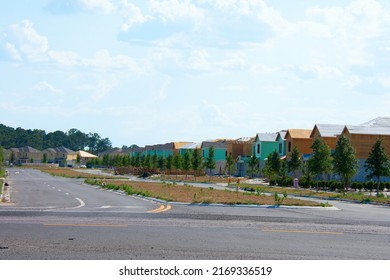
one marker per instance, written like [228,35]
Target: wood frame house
[299,138]
[328,132]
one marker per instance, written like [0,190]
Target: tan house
[23,155]
[328,132]
[61,155]
[299,138]
[85,157]
[363,138]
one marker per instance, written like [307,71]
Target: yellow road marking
[84,225]
[303,231]
[162,208]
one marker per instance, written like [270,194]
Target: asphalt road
[58,218]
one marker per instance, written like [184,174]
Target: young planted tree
[154,161]
[229,164]
[187,162]
[253,164]
[169,163]
[295,163]
[161,163]
[320,163]
[197,160]
[177,163]
[344,160]
[272,165]
[210,160]
[377,164]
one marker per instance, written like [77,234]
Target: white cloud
[173,10]
[12,52]
[105,6]
[132,15]
[22,40]
[45,86]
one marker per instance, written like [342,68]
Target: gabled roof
[328,130]
[178,145]
[166,146]
[191,146]
[221,144]
[266,137]
[380,121]
[84,154]
[28,149]
[299,133]
[243,140]
[368,130]
[281,134]
[64,150]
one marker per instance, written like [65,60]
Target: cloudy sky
[147,72]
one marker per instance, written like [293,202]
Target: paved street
[58,218]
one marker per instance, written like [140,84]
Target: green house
[189,147]
[281,139]
[264,145]
[220,153]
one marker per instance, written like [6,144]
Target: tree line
[74,139]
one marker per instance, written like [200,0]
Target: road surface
[60,218]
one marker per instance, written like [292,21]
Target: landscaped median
[172,192]
[347,196]
[72,173]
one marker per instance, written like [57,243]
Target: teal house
[281,139]
[264,145]
[189,147]
[164,150]
[220,153]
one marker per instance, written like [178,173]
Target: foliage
[295,162]
[187,161]
[377,164]
[197,160]
[253,164]
[320,162]
[229,164]
[210,160]
[39,139]
[273,165]
[344,160]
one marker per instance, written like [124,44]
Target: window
[289,147]
[225,153]
[280,148]
[258,148]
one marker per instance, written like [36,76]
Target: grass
[360,197]
[189,194]
[71,173]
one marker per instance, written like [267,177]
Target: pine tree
[229,164]
[320,162]
[197,160]
[187,162]
[377,164]
[344,160]
[210,160]
[253,163]
[295,162]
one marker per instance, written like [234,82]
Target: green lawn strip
[172,192]
[359,197]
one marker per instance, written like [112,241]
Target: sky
[150,72]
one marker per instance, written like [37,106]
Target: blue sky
[147,72]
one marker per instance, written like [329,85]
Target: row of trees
[74,139]
[322,163]
[190,161]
